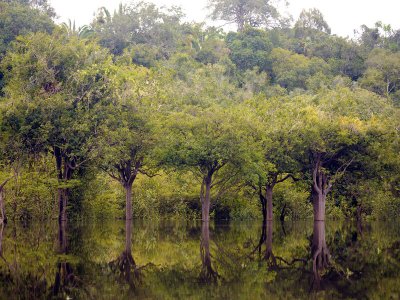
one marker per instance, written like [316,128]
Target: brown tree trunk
[319,200]
[320,188]
[128,204]
[268,197]
[2,205]
[205,206]
[64,174]
[263,202]
[2,208]
[62,204]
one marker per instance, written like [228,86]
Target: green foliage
[254,13]
[182,102]
[250,49]
[292,70]
[18,19]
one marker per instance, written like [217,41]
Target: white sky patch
[343,16]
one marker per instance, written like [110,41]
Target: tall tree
[55,87]
[254,13]
[336,128]
[127,135]
[278,147]
[206,142]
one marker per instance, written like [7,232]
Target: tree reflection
[208,274]
[125,265]
[320,253]
[266,238]
[65,280]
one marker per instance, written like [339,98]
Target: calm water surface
[191,260]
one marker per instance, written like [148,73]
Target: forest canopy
[145,115]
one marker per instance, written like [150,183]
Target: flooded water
[194,260]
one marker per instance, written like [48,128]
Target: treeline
[139,93]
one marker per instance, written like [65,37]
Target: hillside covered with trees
[141,114]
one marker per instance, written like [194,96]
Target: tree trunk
[268,197]
[319,200]
[128,204]
[64,173]
[2,208]
[320,188]
[62,204]
[263,206]
[205,206]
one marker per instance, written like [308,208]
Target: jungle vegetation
[145,115]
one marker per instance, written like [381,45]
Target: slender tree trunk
[319,200]
[205,208]
[268,197]
[2,205]
[2,208]
[128,236]
[263,206]
[128,204]
[320,188]
[64,173]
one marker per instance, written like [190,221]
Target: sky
[343,16]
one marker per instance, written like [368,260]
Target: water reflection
[208,274]
[319,252]
[125,265]
[65,279]
[237,261]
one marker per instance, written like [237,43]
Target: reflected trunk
[65,278]
[269,255]
[208,274]
[319,252]
[266,238]
[125,265]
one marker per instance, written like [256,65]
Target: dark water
[191,260]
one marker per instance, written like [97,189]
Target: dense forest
[141,114]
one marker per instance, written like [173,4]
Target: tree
[17,19]
[382,74]
[250,49]
[55,88]
[253,13]
[127,135]
[291,70]
[140,23]
[336,127]
[311,22]
[205,141]
[278,147]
